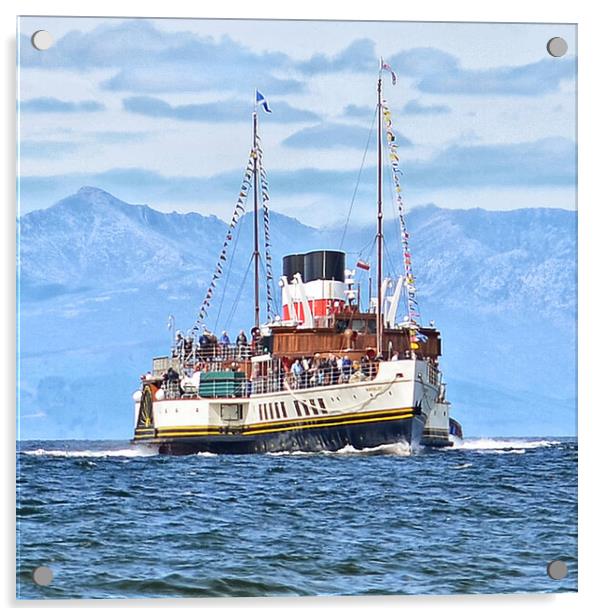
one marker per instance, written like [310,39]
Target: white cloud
[228,57]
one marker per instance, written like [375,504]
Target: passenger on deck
[297,371]
[333,370]
[225,339]
[346,368]
[358,374]
[322,373]
[179,345]
[171,374]
[255,339]
[204,345]
[171,382]
[241,344]
[242,338]
[188,346]
[306,363]
[314,365]
[365,364]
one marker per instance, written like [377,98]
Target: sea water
[112,520]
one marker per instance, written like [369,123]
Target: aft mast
[379,224]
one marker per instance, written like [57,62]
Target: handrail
[273,379]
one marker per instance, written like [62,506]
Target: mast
[379,224]
[256,217]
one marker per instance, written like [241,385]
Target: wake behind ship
[321,371]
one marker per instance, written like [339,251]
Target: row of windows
[309,406]
[277,410]
[272,410]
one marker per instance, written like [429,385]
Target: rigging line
[359,175]
[263,269]
[370,243]
[270,310]
[371,249]
[235,304]
[390,260]
[225,285]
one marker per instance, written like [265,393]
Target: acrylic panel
[296,308]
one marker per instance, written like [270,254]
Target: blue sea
[113,521]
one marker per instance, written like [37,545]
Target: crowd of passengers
[208,345]
[329,370]
[210,353]
[303,373]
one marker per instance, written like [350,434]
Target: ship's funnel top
[315,265]
[293,264]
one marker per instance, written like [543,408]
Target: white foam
[461,466]
[502,445]
[397,449]
[294,453]
[90,453]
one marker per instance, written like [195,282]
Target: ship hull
[397,406]
[406,431]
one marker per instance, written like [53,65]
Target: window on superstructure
[314,408]
[297,409]
[342,325]
[322,405]
[305,408]
[277,410]
[358,325]
[283,409]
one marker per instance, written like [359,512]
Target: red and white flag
[387,67]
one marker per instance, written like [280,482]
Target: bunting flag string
[265,199]
[409,281]
[239,209]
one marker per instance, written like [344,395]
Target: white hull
[403,391]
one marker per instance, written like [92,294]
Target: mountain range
[99,277]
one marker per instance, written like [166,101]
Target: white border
[579,11]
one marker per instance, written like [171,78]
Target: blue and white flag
[260,99]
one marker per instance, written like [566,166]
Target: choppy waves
[91,453]
[112,522]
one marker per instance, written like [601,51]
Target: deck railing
[269,376]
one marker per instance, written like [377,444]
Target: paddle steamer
[321,372]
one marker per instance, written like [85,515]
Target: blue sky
[158,112]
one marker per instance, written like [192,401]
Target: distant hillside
[99,278]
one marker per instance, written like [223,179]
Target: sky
[158,111]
